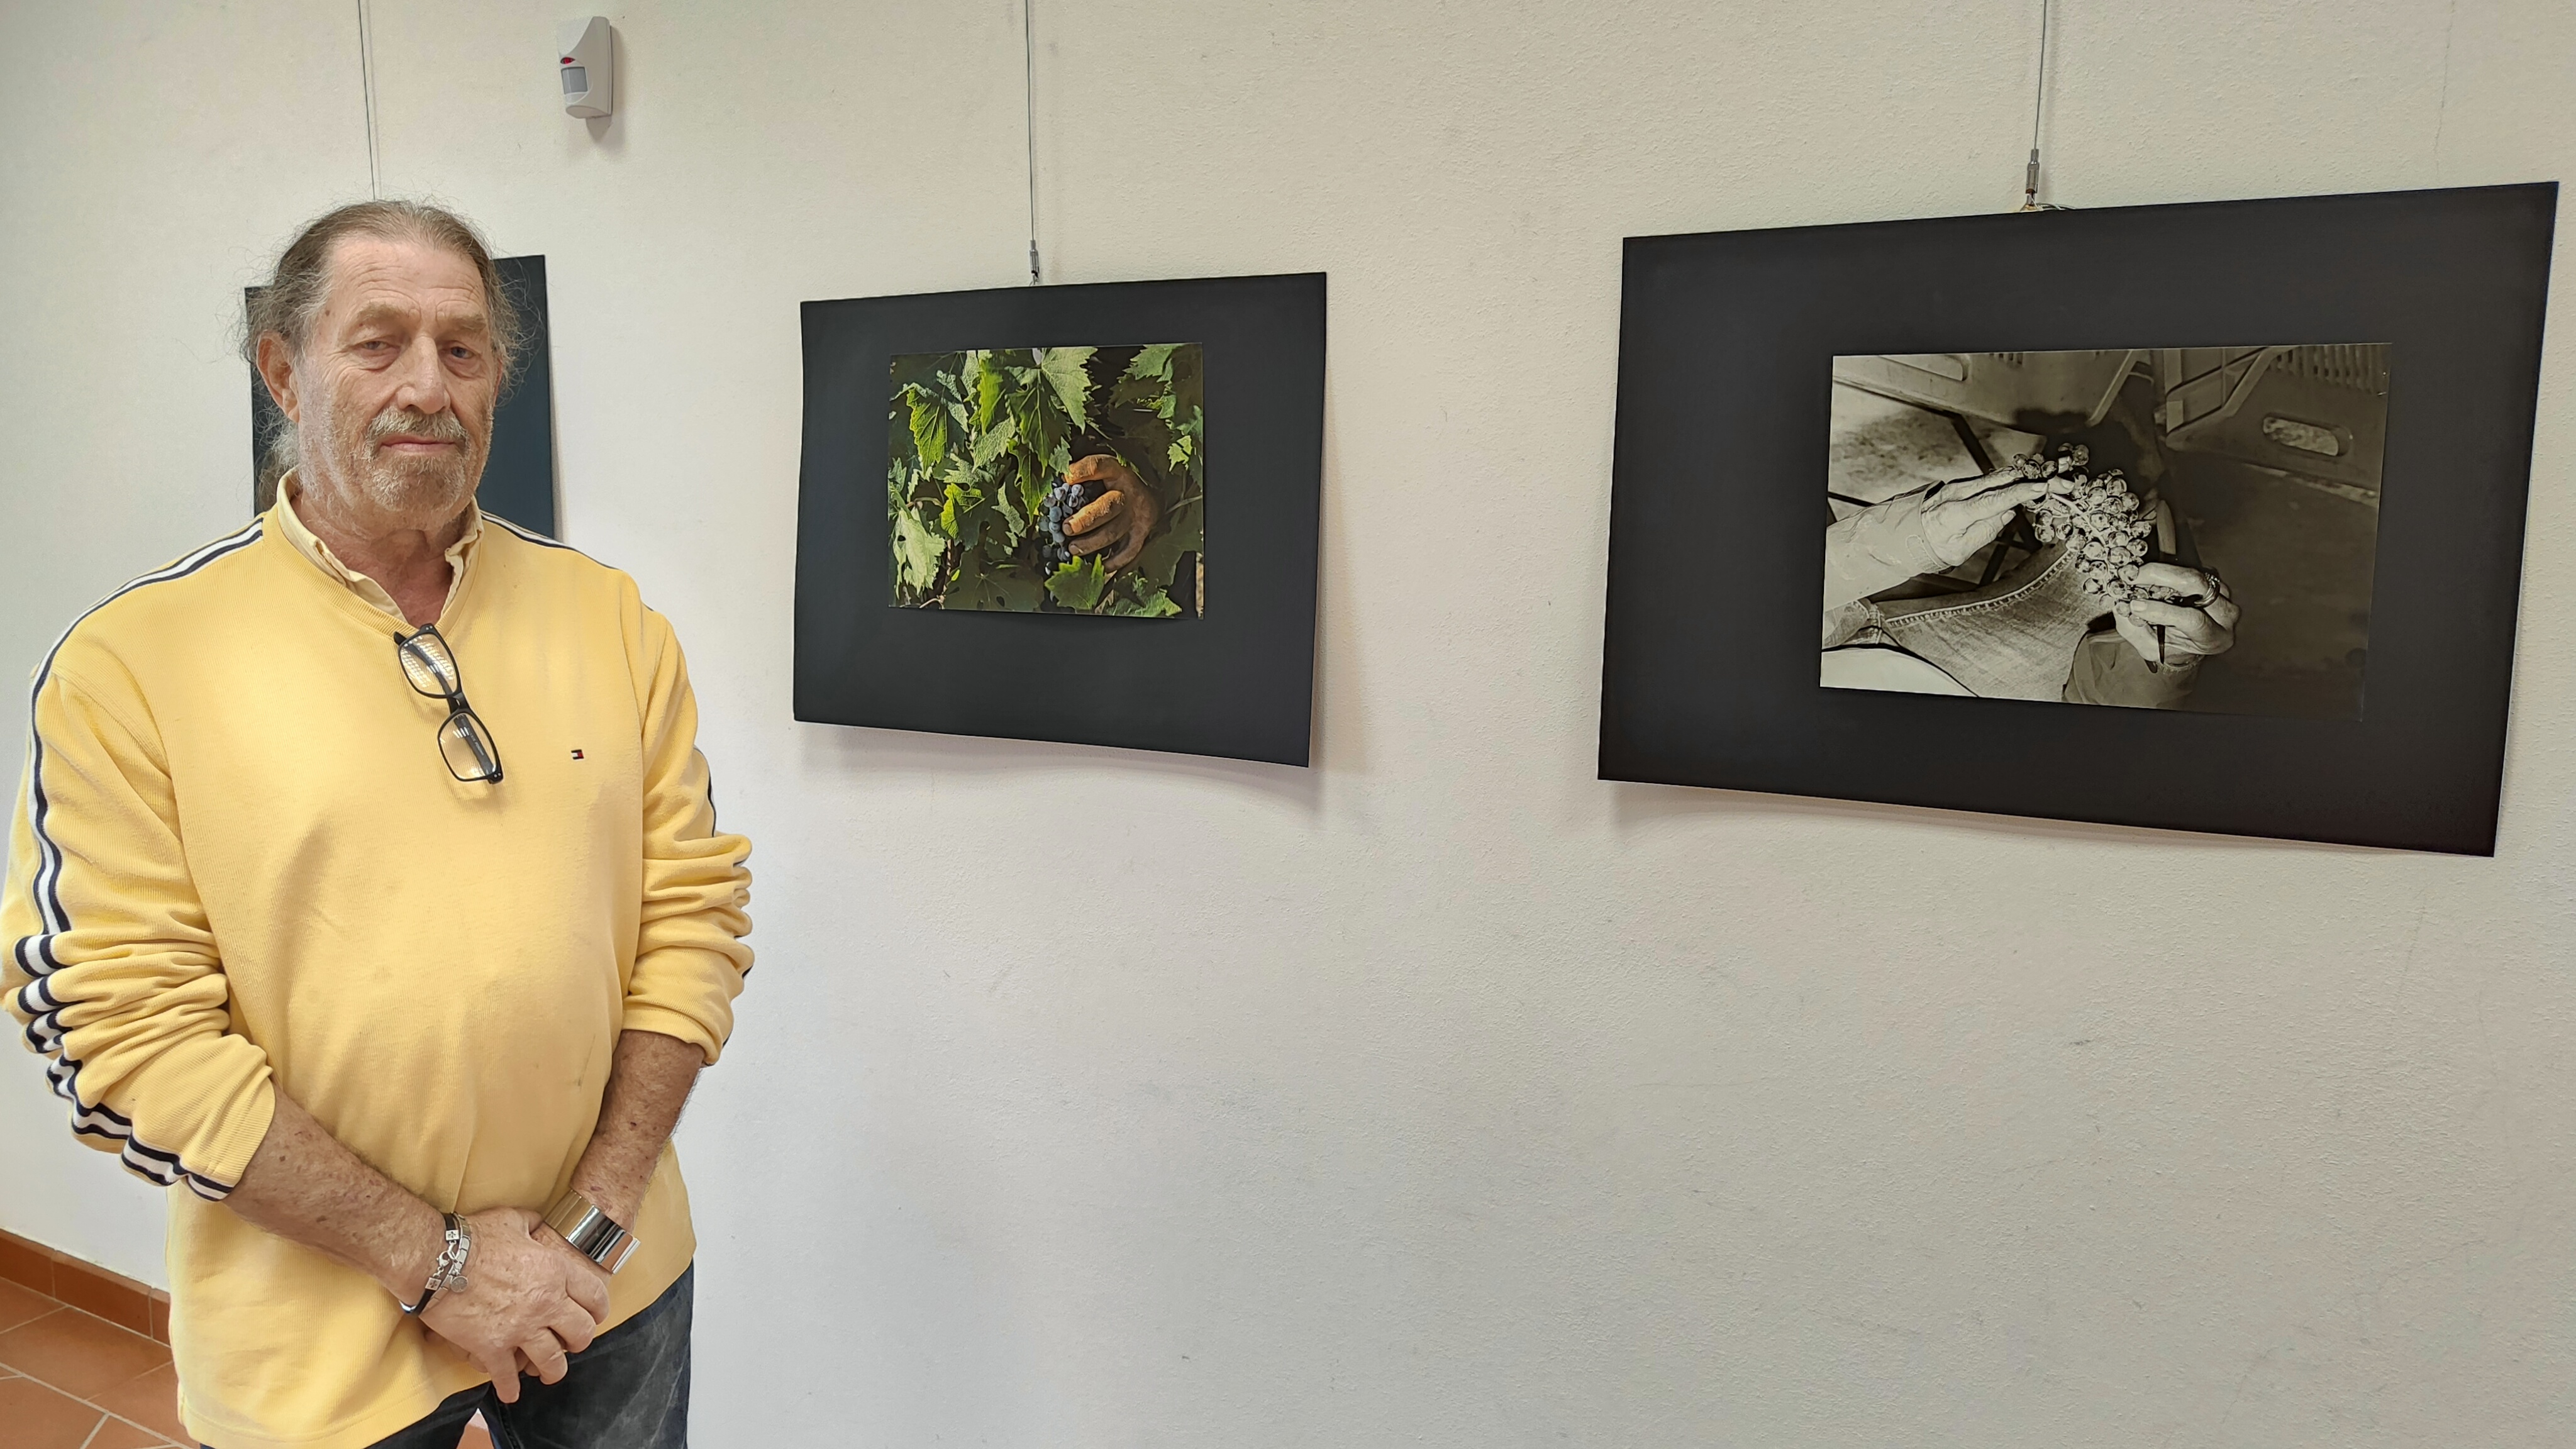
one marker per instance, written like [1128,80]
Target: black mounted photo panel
[1892,501]
[1078,513]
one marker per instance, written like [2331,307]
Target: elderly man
[402,989]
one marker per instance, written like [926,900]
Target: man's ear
[277,369]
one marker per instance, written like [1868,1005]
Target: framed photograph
[519,476]
[1010,500]
[2205,517]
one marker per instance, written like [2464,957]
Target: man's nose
[420,383]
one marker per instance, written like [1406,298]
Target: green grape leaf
[916,553]
[987,386]
[1150,602]
[1068,371]
[1078,585]
[997,441]
[929,430]
[1016,590]
[1155,564]
[1007,507]
[1187,524]
[962,514]
[1154,361]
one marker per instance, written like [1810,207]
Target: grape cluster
[2097,518]
[1061,503]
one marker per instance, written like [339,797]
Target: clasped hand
[2198,615]
[529,1301]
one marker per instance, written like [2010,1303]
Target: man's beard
[418,490]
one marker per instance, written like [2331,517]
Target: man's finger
[2139,635]
[586,1285]
[1998,502]
[2172,616]
[504,1369]
[1958,488]
[1097,512]
[2186,627]
[546,1352]
[2005,500]
[1095,541]
[1127,555]
[2175,579]
[574,1325]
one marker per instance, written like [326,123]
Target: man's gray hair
[291,303]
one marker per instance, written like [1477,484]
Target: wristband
[592,1233]
[449,1271]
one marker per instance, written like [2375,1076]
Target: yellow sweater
[240,866]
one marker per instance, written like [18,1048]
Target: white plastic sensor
[589,77]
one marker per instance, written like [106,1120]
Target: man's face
[392,395]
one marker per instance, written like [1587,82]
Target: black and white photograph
[2184,528]
[2251,474]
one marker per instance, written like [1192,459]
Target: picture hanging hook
[2038,93]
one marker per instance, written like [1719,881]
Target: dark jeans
[628,1390]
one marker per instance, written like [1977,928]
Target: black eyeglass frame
[476,734]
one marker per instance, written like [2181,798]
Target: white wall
[1442,1094]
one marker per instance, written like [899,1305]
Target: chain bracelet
[449,1275]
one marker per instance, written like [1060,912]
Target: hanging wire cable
[2038,93]
[1029,80]
[367,84]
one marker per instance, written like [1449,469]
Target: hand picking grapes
[1117,513]
[1960,518]
[2035,626]
[2161,609]
[2098,520]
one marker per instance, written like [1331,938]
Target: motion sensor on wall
[589,79]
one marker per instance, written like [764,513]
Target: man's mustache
[411,422]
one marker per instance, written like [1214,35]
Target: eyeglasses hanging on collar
[464,741]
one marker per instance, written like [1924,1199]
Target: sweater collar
[460,555]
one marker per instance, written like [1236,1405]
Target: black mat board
[1237,683]
[1709,668]
[519,475]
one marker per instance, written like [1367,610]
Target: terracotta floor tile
[151,1401]
[39,1418]
[18,1304]
[79,1354]
[118,1434]
[476,1437]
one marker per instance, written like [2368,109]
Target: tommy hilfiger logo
[576,754]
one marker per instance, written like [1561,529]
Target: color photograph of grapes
[2163,528]
[1064,480]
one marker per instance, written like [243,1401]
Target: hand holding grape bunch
[1103,508]
[2161,609]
